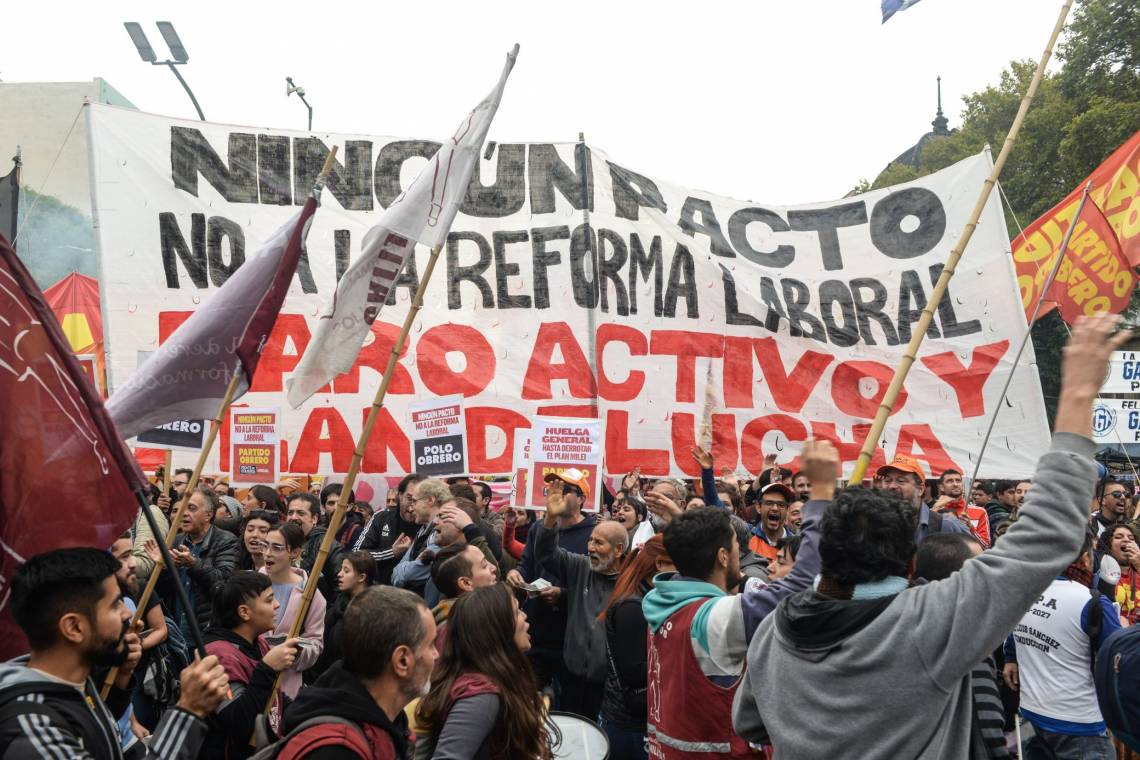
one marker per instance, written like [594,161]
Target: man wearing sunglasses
[1113,507]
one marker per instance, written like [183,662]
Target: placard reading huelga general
[559,444]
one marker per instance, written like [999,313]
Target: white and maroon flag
[186,378]
[421,214]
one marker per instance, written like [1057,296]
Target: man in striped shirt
[69,605]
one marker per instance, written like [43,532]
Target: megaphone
[1108,576]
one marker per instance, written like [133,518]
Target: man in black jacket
[389,532]
[388,636]
[304,510]
[69,605]
[203,556]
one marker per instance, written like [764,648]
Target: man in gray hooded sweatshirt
[865,667]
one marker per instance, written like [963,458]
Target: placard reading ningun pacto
[254,439]
[439,436]
[769,324]
[559,444]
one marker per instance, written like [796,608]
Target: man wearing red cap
[904,477]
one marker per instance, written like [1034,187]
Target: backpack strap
[324,731]
[1095,625]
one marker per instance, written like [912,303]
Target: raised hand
[820,462]
[702,457]
[662,506]
[1083,366]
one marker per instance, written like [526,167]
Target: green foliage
[1080,115]
[55,239]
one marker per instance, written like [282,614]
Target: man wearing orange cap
[904,477]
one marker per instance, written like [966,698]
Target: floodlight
[146,52]
[172,41]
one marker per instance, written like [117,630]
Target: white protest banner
[253,440]
[561,444]
[520,468]
[1123,373]
[1116,421]
[439,436]
[781,322]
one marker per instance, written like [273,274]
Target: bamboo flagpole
[1064,251]
[176,515]
[227,399]
[167,463]
[936,295]
[354,467]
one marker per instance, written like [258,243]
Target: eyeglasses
[180,482]
[275,548]
[1115,494]
[773,503]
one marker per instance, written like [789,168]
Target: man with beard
[801,484]
[704,664]
[546,615]
[950,502]
[69,605]
[388,639]
[587,583]
[414,571]
[389,532]
[905,478]
[154,624]
[769,528]
[1113,507]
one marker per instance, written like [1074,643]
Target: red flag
[1115,187]
[1094,276]
[66,478]
[186,377]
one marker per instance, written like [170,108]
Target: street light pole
[186,87]
[291,88]
[177,50]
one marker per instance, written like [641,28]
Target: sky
[779,102]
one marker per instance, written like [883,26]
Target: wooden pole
[936,295]
[357,457]
[176,516]
[167,463]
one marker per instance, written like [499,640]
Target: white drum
[582,739]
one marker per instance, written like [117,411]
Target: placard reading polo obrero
[558,444]
[439,436]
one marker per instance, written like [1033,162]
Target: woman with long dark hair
[623,715]
[357,572]
[255,526]
[484,702]
[263,497]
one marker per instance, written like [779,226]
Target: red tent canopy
[75,301]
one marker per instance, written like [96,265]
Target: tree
[1081,114]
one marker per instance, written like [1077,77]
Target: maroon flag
[186,377]
[66,479]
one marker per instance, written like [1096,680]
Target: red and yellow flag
[1097,274]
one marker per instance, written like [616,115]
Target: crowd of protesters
[731,617]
